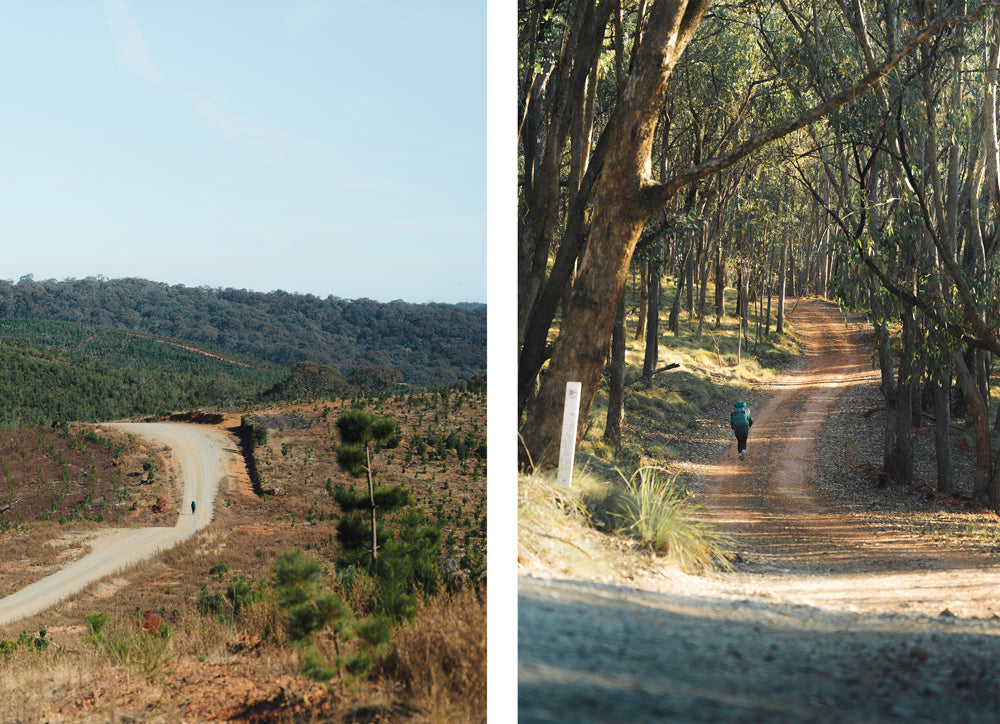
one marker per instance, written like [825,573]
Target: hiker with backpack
[741,422]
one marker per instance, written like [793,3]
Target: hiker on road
[741,422]
[192,507]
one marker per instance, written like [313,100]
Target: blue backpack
[739,416]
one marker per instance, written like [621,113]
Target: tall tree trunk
[674,324]
[780,323]
[980,422]
[640,327]
[743,302]
[942,435]
[652,323]
[769,291]
[371,499]
[982,375]
[903,453]
[689,265]
[916,399]
[702,294]
[720,286]
[888,389]
[616,381]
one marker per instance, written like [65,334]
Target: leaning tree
[585,228]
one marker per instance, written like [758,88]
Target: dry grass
[555,526]
[248,533]
[441,657]
[31,679]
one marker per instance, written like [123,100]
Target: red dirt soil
[801,548]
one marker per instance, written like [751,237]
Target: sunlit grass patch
[651,507]
[554,523]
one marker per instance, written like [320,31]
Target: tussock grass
[559,527]
[654,508]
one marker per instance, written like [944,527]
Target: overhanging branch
[653,196]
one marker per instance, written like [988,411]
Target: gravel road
[592,652]
[202,455]
[825,619]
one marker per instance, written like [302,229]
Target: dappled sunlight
[840,375]
[769,503]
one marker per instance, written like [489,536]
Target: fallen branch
[670,366]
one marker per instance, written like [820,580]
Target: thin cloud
[130,48]
[265,139]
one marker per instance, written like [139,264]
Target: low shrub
[25,642]
[133,647]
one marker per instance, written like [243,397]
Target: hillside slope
[65,371]
[226,654]
[438,343]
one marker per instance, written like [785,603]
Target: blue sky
[329,147]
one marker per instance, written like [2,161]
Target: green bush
[25,642]
[130,646]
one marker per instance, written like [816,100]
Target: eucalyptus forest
[97,349]
[846,148]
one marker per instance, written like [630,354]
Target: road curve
[202,455]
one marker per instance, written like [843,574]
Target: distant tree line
[429,343]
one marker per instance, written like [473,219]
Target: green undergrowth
[712,372]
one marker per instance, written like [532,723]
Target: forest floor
[848,602]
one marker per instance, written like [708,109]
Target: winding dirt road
[823,621]
[202,455]
[771,503]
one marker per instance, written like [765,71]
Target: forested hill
[435,343]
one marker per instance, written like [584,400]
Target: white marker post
[567,449]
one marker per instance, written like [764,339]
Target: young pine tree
[360,431]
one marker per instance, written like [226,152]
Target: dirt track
[823,621]
[201,454]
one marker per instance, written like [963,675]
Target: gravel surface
[601,653]
[850,602]
[202,455]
